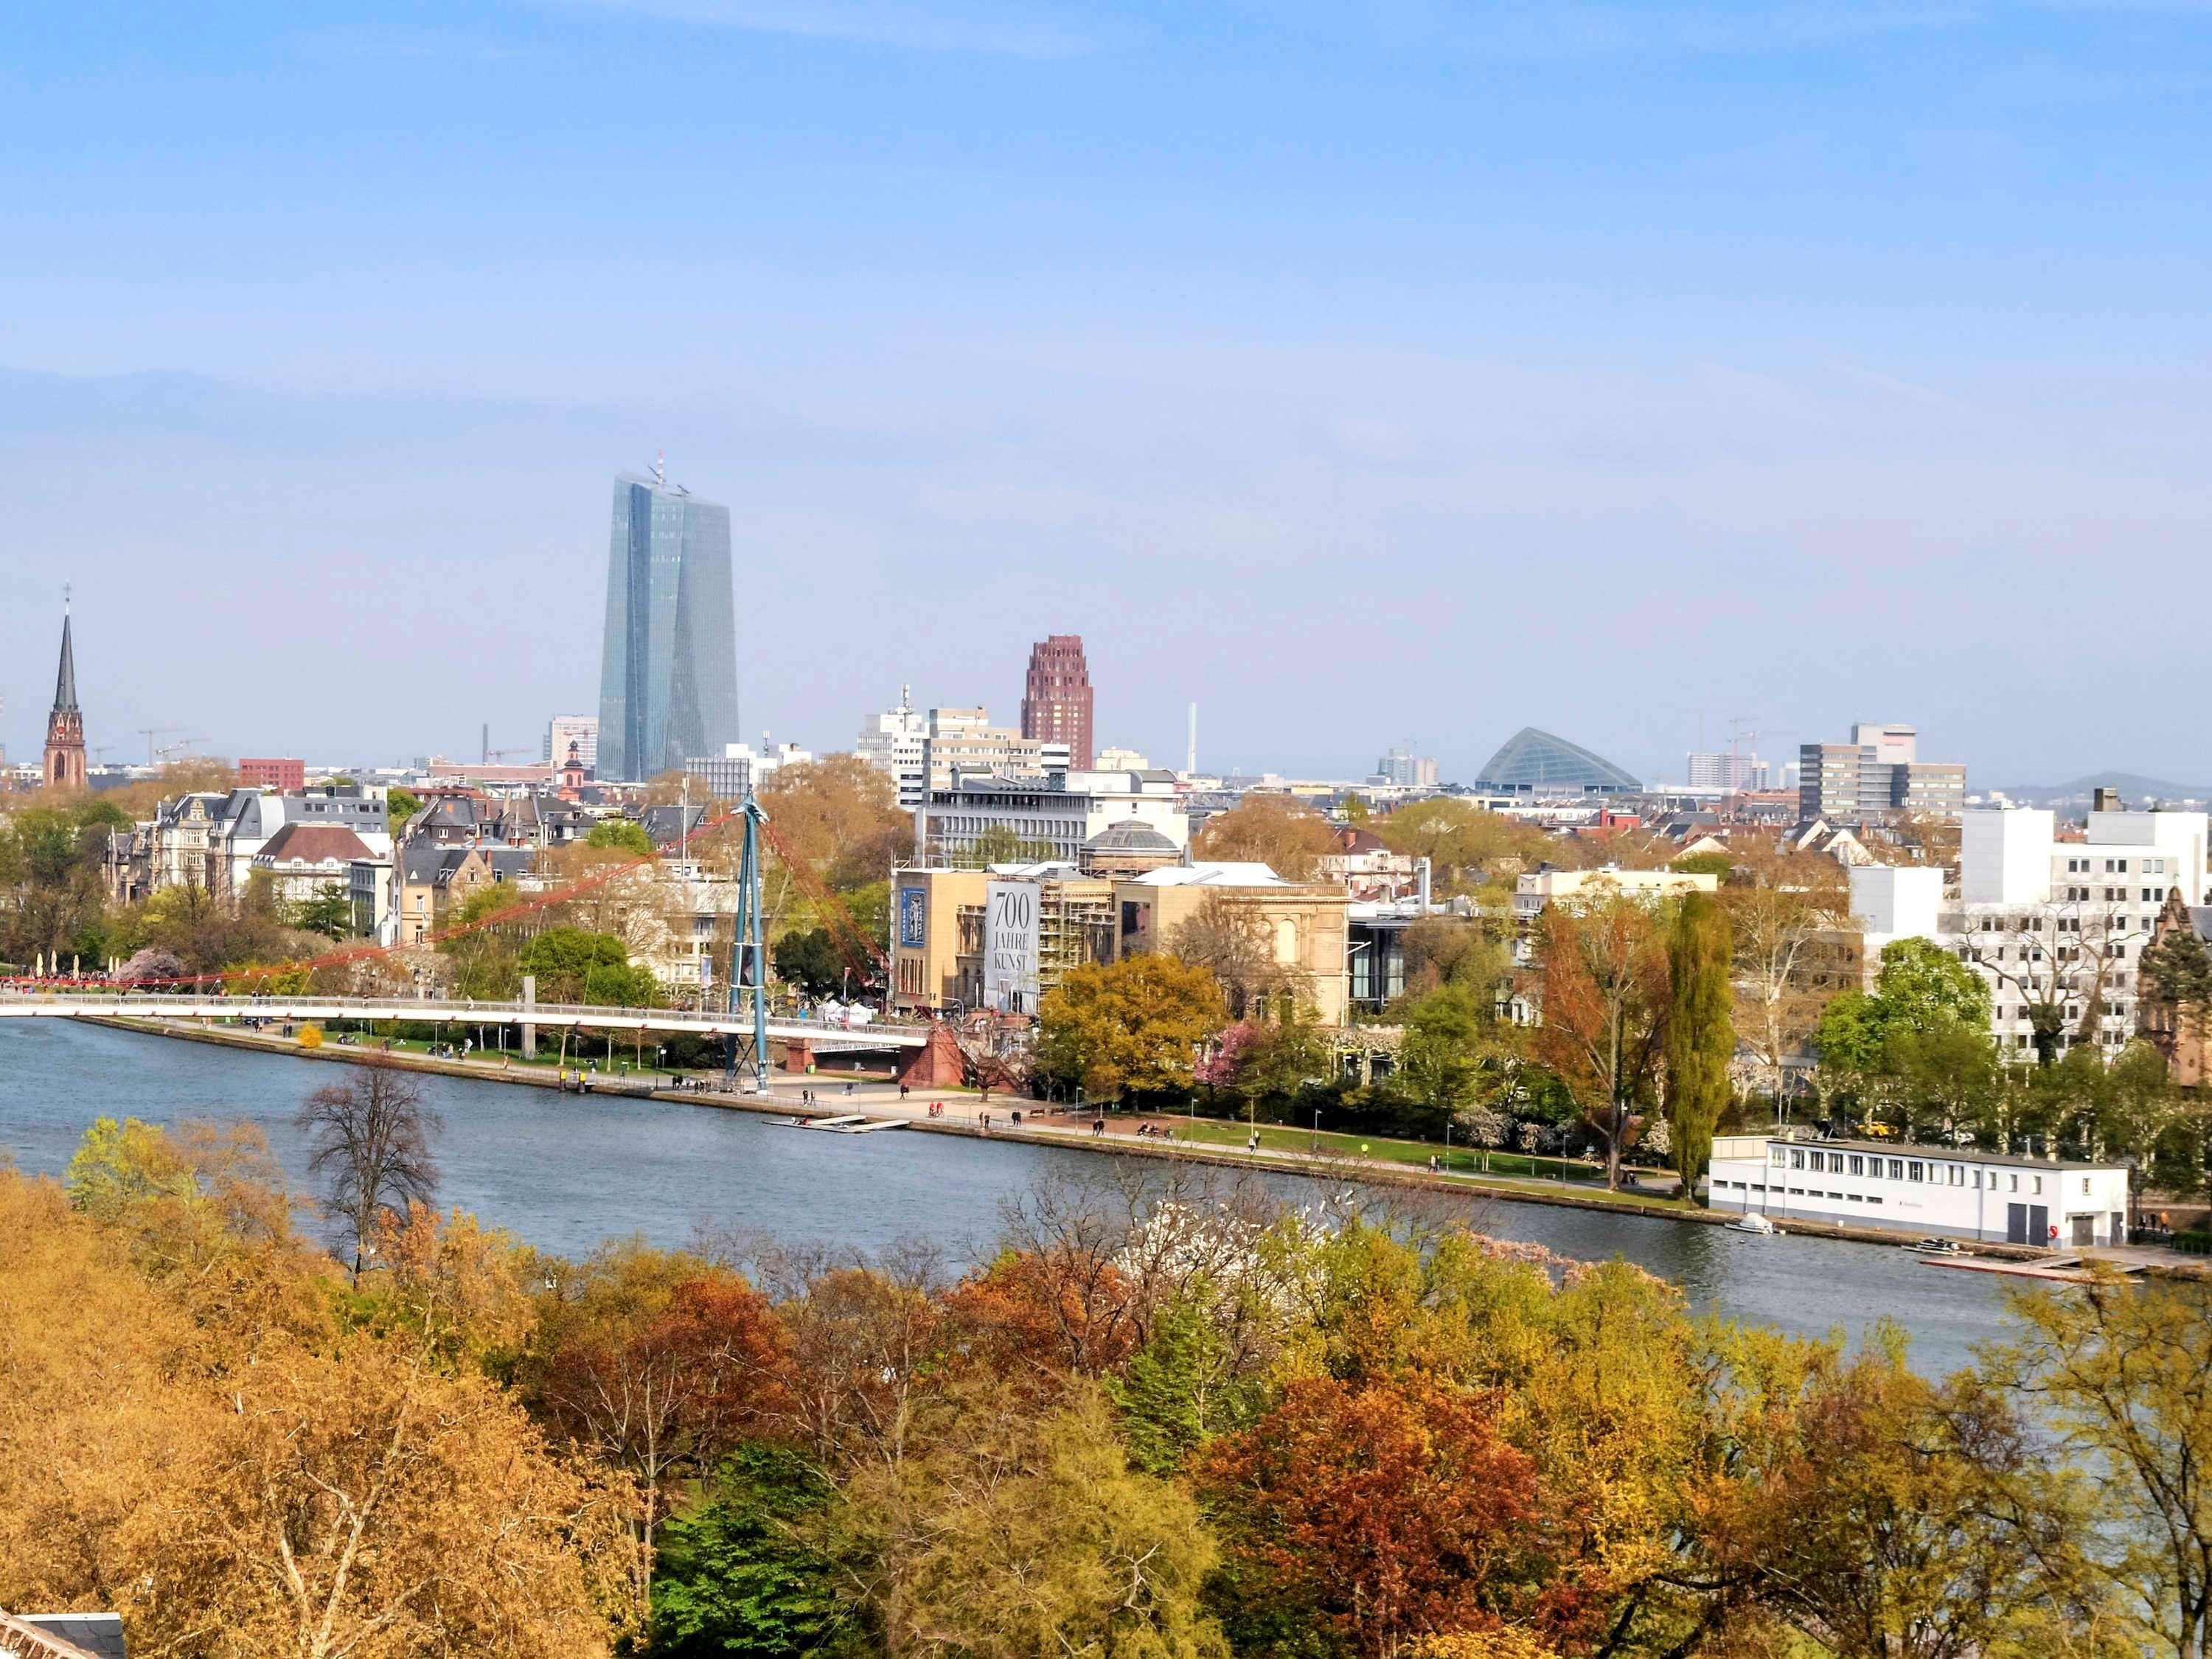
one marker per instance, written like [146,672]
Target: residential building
[1876,776]
[210,840]
[1728,769]
[1113,758]
[63,764]
[2056,928]
[282,773]
[668,676]
[304,859]
[894,743]
[582,729]
[1056,698]
[1537,763]
[1366,867]
[738,770]
[1049,817]
[431,879]
[1941,1192]
[1538,889]
[2178,1030]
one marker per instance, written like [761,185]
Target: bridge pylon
[749,958]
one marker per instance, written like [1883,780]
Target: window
[1778,1157]
[2038,1183]
[2016,1181]
[1896,1168]
[1912,1171]
[1796,1159]
[1978,1177]
[1858,1165]
[1957,1176]
[2085,1186]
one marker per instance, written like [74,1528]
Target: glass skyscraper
[668,673]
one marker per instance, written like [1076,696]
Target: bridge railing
[447,1008]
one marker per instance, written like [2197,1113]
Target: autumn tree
[1465,845]
[1445,950]
[1700,1035]
[620,836]
[841,815]
[1231,941]
[369,1142]
[1602,976]
[1787,913]
[1286,835]
[1132,1027]
[1372,1512]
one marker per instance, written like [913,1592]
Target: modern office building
[582,729]
[1876,776]
[1406,769]
[278,772]
[740,768]
[1056,697]
[1538,764]
[1725,770]
[893,743]
[668,674]
[1050,817]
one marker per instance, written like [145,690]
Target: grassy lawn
[1585,1179]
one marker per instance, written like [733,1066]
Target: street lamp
[659,1056]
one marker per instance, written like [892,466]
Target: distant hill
[2135,789]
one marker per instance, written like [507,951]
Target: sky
[1397,373]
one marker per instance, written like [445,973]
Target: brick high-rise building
[1056,697]
[64,758]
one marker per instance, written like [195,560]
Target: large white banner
[1010,946]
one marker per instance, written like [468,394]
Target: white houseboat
[1932,1192]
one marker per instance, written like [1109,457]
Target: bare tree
[2060,959]
[1789,920]
[368,1143]
[1232,940]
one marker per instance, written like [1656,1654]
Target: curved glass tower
[668,671]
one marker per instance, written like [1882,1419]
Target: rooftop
[1531,761]
[1940,1154]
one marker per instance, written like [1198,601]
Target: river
[566,1173]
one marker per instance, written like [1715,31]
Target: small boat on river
[1937,1247]
[1754,1223]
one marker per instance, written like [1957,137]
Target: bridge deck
[78,1004]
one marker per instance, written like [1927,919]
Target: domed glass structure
[1533,762]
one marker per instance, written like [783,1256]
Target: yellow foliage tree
[1131,1027]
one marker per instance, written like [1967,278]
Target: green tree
[330,913]
[1704,864]
[1181,1389]
[1921,986]
[809,959]
[1440,1063]
[754,1570]
[621,836]
[118,1165]
[1132,1027]
[1701,1032]
[399,805]
[563,959]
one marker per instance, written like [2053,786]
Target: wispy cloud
[1008,30]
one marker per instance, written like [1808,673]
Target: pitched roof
[65,677]
[313,844]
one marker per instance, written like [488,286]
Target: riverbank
[964,1115]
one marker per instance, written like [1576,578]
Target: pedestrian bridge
[94,1003]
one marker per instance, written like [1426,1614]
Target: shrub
[310,1036]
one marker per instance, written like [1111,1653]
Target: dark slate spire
[65,681]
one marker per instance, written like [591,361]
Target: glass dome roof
[1533,762]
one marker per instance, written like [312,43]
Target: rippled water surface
[566,1173]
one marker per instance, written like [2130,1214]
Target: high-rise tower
[668,674]
[1056,697]
[64,760]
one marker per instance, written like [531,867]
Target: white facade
[1532,892]
[1896,901]
[1056,815]
[582,729]
[2045,921]
[1726,771]
[1931,1191]
[893,743]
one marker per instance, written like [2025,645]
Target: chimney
[1421,866]
[2103,799]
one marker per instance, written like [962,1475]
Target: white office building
[894,743]
[2045,922]
[1940,1192]
[1052,817]
[1728,771]
[740,768]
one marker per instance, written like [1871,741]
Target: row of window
[2158,866]
[1799,1192]
[1899,1168]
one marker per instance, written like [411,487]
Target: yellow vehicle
[1875,1131]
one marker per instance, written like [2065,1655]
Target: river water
[566,1173]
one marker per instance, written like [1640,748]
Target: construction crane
[502,754]
[150,733]
[169,751]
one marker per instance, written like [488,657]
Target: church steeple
[65,681]
[64,759]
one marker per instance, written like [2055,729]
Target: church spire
[65,680]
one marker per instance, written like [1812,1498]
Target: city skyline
[668,655]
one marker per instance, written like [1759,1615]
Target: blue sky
[1406,370]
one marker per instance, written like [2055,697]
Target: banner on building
[914,916]
[1010,946]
